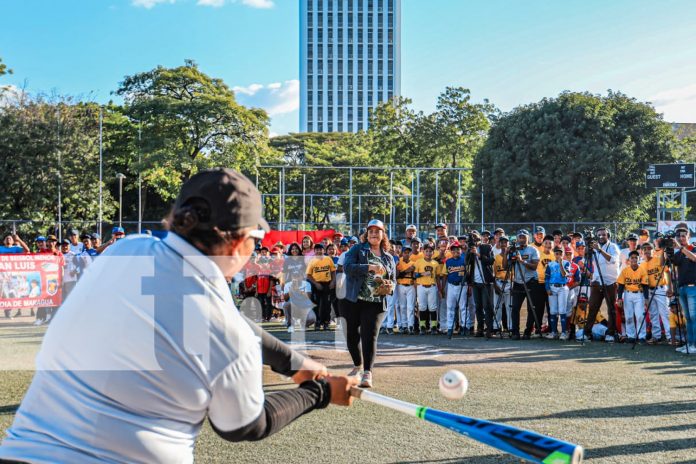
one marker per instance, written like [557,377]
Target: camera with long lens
[513,248]
[667,240]
[590,237]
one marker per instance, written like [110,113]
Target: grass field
[623,406]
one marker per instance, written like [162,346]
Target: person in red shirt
[44,314]
[263,283]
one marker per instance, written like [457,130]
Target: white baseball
[453,385]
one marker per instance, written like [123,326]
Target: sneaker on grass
[366,381]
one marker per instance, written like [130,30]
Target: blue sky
[509,51]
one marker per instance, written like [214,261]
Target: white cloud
[677,104]
[276,98]
[149,3]
[258,3]
[213,3]
[250,90]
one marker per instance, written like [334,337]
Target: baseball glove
[384,287]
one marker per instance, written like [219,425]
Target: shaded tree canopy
[572,158]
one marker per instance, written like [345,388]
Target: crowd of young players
[478,284]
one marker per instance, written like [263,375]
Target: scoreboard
[670,176]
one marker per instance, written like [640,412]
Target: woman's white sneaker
[366,381]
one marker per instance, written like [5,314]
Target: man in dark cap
[164,347]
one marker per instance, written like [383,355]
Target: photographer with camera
[483,279]
[605,256]
[525,259]
[682,256]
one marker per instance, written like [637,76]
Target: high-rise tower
[350,61]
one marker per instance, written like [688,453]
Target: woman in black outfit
[370,276]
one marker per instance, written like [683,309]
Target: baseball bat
[524,444]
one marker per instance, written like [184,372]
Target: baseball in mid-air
[453,385]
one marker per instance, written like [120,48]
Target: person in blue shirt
[556,281]
[13,244]
[456,288]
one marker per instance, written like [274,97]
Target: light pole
[101,169]
[120,178]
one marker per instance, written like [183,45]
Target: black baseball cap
[233,200]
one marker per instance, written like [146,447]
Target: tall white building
[350,61]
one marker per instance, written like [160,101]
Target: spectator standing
[406,290]
[660,293]
[632,297]
[503,287]
[426,270]
[263,283]
[454,269]
[539,234]
[321,273]
[632,242]
[411,232]
[556,284]
[525,262]
[71,268]
[685,260]
[483,280]
[606,255]
[12,244]
[75,245]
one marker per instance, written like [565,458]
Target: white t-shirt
[609,269]
[148,344]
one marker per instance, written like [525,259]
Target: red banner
[30,281]
[295,236]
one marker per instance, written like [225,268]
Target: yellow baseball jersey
[673,320]
[436,255]
[415,257]
[499,270]
[544,260]
[632,280]
[320,269]
[423,266]
[539,248]
[653,268]
[408,277]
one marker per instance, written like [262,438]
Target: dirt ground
[622,405]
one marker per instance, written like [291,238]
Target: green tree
[578,157]
[189,121]
[44,145]
[446,138]
[4,69]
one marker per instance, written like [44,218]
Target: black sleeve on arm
[280,409]
[621,291]
[646,292]
[280,357]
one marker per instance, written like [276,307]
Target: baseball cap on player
[233,200]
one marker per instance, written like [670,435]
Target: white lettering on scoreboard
[671,176]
